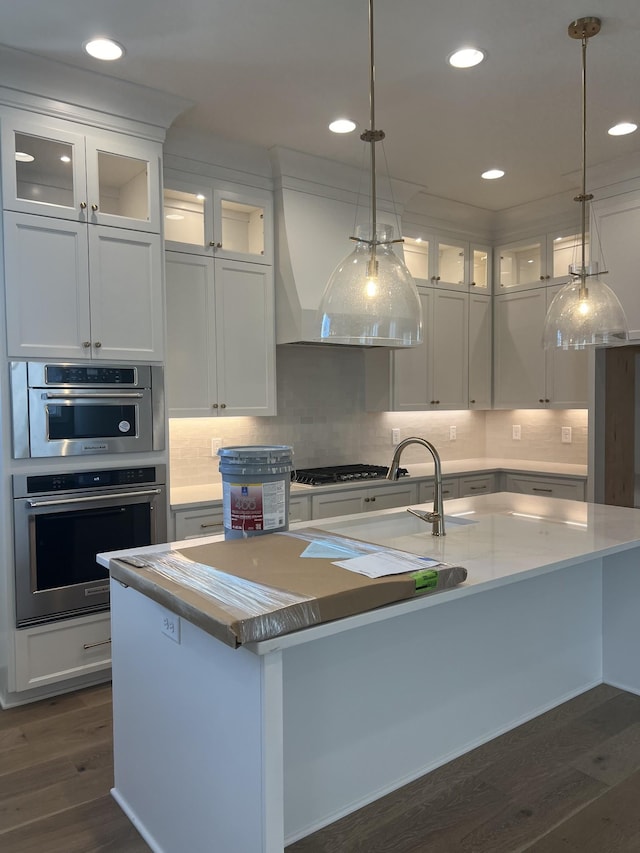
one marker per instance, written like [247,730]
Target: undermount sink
[383,529]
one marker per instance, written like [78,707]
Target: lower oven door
[56,542]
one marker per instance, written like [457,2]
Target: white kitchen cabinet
[52,653]
[545,486]
[617,223]
[477,484]
[203,521]
[218,219]
[480,350]
[221,337]
[299,508]
[525,376]
[448,262]
[433,375]
[352,501]
[58,168]
[78,291]
[450,489]
[542,258]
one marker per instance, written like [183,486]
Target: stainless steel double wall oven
[65,515]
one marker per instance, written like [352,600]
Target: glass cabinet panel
[242,227]
[480,271]
[567,250]
[520,264]
[184,217]
[123,186]
[44,170]
[416,256]
[451,263]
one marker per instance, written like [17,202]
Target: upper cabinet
[219,220]
[99,177]
[545,258]
[450,263]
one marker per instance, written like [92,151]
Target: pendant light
[585,311]
[371,298]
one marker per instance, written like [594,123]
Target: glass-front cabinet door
[450,263]
[214,220]
[480,268]
[416,257]
[565,250]
[522,263]
[100,177]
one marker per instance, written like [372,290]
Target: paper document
[386,563]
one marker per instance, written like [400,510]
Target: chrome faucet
[437,516]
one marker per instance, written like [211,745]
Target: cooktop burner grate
[342,474]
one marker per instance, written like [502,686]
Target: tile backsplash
[321,414]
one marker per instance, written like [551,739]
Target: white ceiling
[275,72]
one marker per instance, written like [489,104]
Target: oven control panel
[87,480]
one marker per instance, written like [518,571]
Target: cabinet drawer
[207,521]
[47,654]
[481,485]
[545,488]
[299,509]
[450,489]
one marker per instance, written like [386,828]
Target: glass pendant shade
[371,298]
[585,312]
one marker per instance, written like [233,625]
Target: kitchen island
[248,749]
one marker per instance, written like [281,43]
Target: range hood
[317,204]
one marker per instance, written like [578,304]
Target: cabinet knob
[366,500]
[215,405]
[97,344]
[215,245]
[223,405]
[547,400]
[472,401]
[547,277]
[86,344]
[373,500]
[94,207]
[83,205]
[473,284]
[541,399]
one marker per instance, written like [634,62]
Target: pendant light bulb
[371,298]
[585,312]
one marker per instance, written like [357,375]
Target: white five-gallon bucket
[255,489]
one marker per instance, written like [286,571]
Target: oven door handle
[91,498]
[92,395]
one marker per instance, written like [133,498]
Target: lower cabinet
[47,654]
[481,484]
[450,489]
[363,500]
[205,521]
[545,486]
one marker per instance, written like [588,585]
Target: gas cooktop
[342,474]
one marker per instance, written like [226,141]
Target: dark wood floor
[567,782]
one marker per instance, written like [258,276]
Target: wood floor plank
[44,709]
[614,759]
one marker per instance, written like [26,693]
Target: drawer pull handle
[477,488]
[538,489]
[211,524]
[87,646]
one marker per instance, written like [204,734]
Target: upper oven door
[77,422]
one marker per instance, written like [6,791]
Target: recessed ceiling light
[103,48]
[467,57]
[622,129]
[23,157]
[342,125]
[174,216]
[492,174]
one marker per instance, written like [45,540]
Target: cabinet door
[123,181]
[519,360]
[567,373]
[411,375]
[127,316]
[450,262]
[480,348]
[47,287]
[450,489]
[522,264]
[386,497]
[545,487]
[190,374]
[338,503]
[299,508]
[188,216]
[448,350]
[43,167]
[481,484]
[191,523]
[617,223]
[480,267]
[245,338]
[242,224]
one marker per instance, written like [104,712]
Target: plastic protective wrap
[260,611]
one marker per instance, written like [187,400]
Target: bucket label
[254,506]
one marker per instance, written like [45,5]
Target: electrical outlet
[566,435]
[395,436]
[516,432]
[453,433]
[170,626]
[216,444]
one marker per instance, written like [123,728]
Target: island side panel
[189,747]
[368,710]
[621,620]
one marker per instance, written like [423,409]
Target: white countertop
[192,497]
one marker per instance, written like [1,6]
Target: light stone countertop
[193,497]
